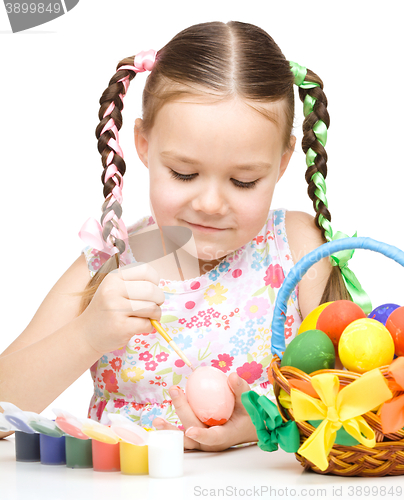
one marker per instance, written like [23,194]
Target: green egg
[310,351]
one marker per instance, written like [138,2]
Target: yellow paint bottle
[134,459]
[133,447]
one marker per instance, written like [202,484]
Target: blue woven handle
[300,269]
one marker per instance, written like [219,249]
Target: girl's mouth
[205,229]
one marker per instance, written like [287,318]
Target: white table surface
[236,473]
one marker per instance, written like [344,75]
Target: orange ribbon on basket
[338,408]
[392,412]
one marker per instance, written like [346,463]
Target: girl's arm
[52,352]
[304,236]
[59,345]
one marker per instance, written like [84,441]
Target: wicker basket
[387,457]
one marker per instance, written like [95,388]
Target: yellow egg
[310,321]
[365,344]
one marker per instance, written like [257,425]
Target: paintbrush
[171,342]
[157,325]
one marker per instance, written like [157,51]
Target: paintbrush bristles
[180,353]
[170,341]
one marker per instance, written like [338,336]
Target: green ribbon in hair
[355,290]
[299,72]
[357,293]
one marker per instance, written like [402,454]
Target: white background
[51,79]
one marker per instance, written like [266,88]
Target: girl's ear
[287,155]
[141,142]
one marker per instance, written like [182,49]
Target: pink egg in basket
[210,396]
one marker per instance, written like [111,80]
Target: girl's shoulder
[303,234]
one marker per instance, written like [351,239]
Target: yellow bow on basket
[338,408]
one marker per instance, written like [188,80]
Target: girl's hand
[121,307]
[238,429]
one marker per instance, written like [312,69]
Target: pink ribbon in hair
[144,61]
[91,234]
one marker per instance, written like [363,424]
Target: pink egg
[210,396]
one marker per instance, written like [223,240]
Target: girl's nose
[210,200]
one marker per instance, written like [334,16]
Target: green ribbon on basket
[271,429]
[355,290]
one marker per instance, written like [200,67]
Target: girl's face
[214,165]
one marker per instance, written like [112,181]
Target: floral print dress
[221,319]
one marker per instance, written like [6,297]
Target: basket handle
[300,269]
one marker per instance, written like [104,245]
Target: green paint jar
[79,453]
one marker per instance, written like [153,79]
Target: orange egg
[210,396]
[337,316]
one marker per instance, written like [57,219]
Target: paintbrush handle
[170,341]
[161,330]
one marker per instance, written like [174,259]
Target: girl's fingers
[217,437]
[199,436]
[161,424]
[211,436]
[238,385]
[182,408]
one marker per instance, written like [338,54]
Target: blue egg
[381,313]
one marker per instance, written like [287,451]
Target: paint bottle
[133,449]
[27,446]
[53,450]
[166,453]
[79,453]
[51,440]
[105,446]
[105,456]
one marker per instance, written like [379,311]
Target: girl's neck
[167,265]
[207,265]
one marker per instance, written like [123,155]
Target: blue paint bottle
[53,450]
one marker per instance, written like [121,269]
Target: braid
[111,154]
[315,128]
[315,125]
[112,229]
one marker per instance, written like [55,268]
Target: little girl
[218,109]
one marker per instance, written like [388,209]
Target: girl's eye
[243,185]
